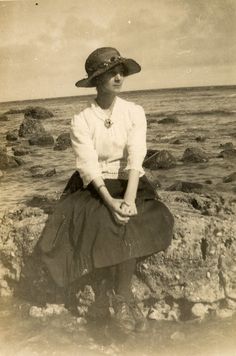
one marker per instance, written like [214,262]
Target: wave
[190,112]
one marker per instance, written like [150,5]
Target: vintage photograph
[118,177]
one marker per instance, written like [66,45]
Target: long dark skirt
[81,234]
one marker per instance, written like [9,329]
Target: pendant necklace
[108,122]
[108,113]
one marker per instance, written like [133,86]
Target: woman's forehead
[117,69]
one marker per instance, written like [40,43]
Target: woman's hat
[103,59]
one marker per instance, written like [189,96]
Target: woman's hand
[129,208]
[120,215]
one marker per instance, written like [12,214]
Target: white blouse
[109,152]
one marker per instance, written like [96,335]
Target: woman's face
[111,81]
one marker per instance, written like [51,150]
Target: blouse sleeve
[85,153]
[136,145]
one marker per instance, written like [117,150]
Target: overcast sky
[44,43]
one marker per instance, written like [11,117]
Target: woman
[111,216]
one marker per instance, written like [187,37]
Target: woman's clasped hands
[122,210]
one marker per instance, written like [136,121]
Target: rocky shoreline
[194,278]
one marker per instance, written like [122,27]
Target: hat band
[105,64]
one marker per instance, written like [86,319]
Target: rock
[200,310]
[3,118]
[139,289]
[3,150]
[224,313]
[230,178]
[168,120]
[43,202]
[20,230]
[227,145]
[20,151]
[42,140]
[198,267]
[176,141]
[200,138]
[231,304]
[228,153]
[39,172]
[1,174]
[12,135]
[30,127]
[208,181]
[195,155]
[54,309]
[7,161]
[150,153]
[163,311]
[194,251]
[63,141]
[162,160]
[19,161]
[36,312]
[186,187]
[38,112]
[35,169]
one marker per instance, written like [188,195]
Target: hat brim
[130,65]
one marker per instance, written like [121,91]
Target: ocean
[202,112]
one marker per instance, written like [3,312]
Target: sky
[178,43]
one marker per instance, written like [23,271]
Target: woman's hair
[96,79]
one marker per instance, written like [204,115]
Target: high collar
[105,113]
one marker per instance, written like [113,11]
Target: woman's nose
[118,77]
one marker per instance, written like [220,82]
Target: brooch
[108,123]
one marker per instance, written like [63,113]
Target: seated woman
[112,216]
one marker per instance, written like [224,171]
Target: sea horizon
[84,96]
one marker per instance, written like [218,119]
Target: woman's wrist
[129,199]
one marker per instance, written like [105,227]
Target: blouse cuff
[135,164]
[88,175]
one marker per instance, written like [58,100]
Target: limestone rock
[12,135]
[227,145]
[38,112]
[198,267]
[30,127]
[162,160]
[200,138]
[163,311]
[43,140]
[20,151]
[7,161]
[230,178]
[228,153]
[63,141]
[194,155]
[43,202]
[168,120]
[186,187]
[40,172]
[200,310]
[176,141]
[225,313]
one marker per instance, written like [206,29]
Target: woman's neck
[105,101]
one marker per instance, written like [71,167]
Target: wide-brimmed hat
[103,59]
